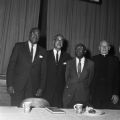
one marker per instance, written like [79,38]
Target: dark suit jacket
[55,80]
[21,69]
[77,89]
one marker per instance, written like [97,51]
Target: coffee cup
[78,108]
[27,106]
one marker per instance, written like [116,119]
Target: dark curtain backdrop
[43,22]
[77,20]
[16,19]
[84,22]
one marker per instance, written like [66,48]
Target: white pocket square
[64,63]
[40,56]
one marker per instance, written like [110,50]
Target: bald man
[105,84]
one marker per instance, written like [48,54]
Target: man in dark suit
[25,73]
[56,65]
[105,84]
[79,74]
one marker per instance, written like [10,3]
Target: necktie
[57,57]
[79,68]
[32,50]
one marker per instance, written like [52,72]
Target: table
[15,113]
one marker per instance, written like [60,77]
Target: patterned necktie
[79,68]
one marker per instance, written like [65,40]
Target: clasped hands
[115,99]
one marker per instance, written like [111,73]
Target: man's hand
[10,90]
[39,92]
[115,99]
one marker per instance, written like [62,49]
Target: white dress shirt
[82,63]
[55,52]
[34,49]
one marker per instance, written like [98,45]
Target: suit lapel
[26,52]
[84,68]
[53,57]
[27,49]
[61,56]
[74,67]
[37,52]
[85,64]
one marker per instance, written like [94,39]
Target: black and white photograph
[59,59]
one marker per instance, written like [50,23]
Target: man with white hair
[105,84]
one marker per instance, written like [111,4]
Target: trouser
[20,95]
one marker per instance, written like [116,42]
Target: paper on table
[55,110]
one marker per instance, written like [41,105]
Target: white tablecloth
[14,113]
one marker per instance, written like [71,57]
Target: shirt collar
[55,51]
[82,60]
[104,55]
[30,44]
